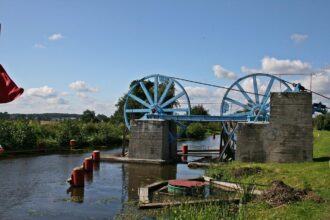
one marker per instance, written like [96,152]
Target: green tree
[196,130]
[89,116]
[322,122]
[327,122]
[4,115]
[102,118]
[319,122]
[199,110]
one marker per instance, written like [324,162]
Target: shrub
[196,130]
[17,135]
[322,122]
[24,134]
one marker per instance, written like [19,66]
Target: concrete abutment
[288,137]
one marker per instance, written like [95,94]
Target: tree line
[322,122]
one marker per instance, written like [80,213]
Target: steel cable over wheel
[250,96]
[155,94]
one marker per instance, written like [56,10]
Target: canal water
[36,187]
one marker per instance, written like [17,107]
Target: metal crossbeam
[199,118]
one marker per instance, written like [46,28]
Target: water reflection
[88,177]
[77,194]
[143,174]
[96,166]
[205,144]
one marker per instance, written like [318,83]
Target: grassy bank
[309,176]
[313,176]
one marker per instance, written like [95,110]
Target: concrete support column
[287,138]
[153,139]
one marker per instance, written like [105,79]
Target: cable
[221,87]
[202,103]
[316,93]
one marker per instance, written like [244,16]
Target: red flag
[8,89]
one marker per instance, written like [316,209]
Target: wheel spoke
[172,99]
[139,100]
[244,93]
[255,88]
[156,90]
[143,110]
[175,110]
[146,92]
[168,86]
[267,93]
[238,103]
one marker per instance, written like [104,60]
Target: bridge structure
[247,100]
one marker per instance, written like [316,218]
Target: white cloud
[64,94]
[81,86]
[272,65]
[320,81]
[298,38]
[46,99]
[196,91]
[56,36]
[86,98]
[39,46]
[221,72]
[42,92]
[248,70]
[57,101]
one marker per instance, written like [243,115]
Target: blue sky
[98,47]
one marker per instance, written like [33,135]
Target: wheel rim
[156,101]
[253,105]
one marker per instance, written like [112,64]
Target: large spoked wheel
[249,96]
[155,94]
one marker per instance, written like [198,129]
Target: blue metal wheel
[155,94]
[249,96]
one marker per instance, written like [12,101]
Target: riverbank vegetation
[23,134]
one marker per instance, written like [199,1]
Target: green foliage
[21,134]
[69,130]
[199,212]
[196,130]
[322,122]
[4,115]
[102,118]
[17,134]
[89,116]
[199,110]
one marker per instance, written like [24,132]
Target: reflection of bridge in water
[141,174]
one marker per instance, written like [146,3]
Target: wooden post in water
[124,141]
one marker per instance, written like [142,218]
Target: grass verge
[313,176]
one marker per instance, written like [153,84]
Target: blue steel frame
[256,110]
[155,104]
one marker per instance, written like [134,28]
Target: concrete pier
[288,137]
[153,139]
